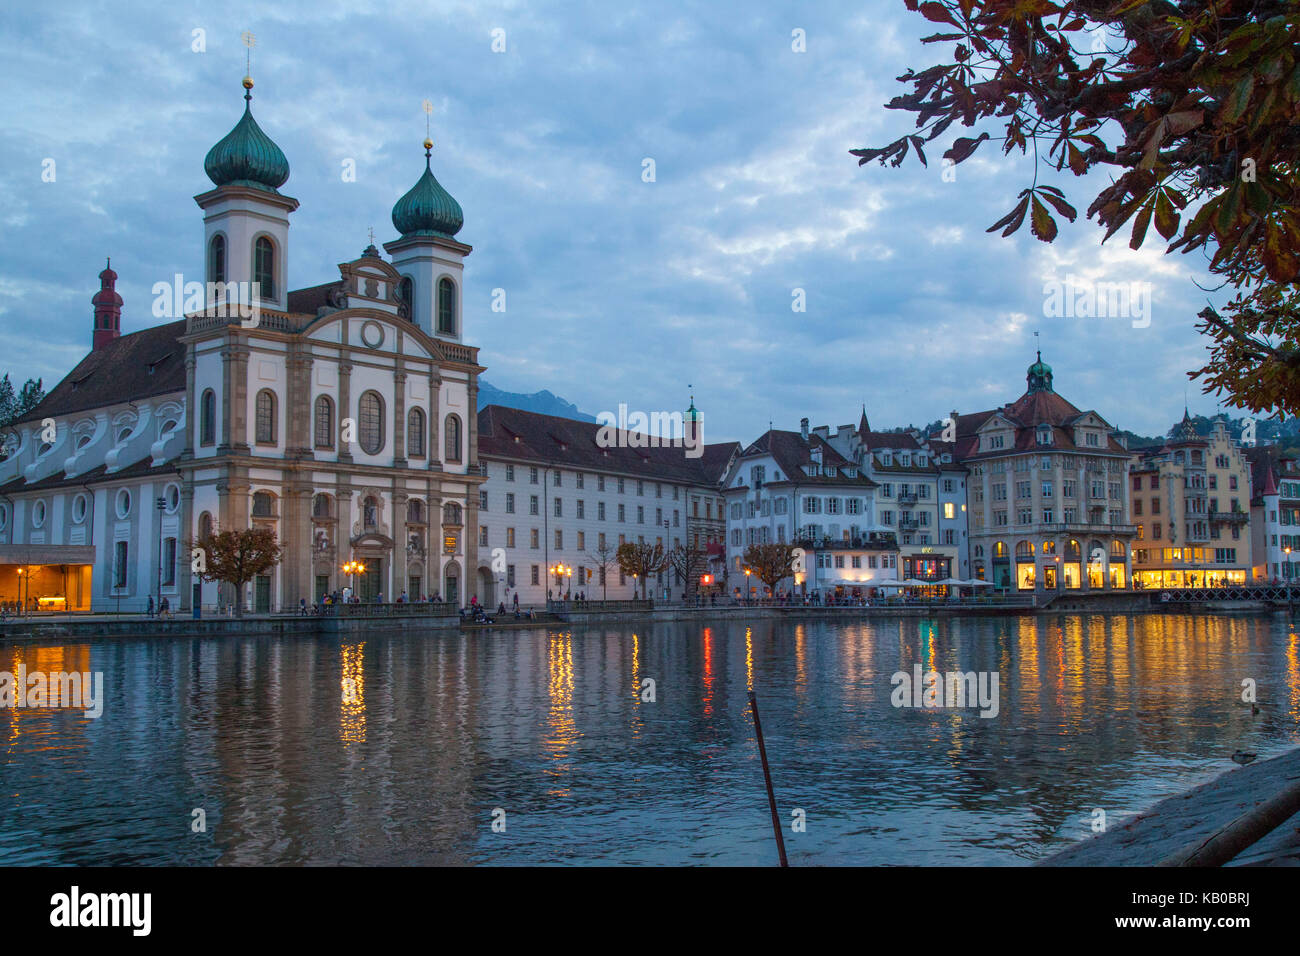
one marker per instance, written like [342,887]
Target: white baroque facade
[342,415]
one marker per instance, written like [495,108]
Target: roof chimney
[108,309]
[803,428]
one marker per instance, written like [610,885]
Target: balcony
[1090,527]
[1232,517]
[907,497]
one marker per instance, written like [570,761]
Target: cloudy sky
[617,289]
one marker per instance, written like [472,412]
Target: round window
[173,495]
[79,508]
[372,335]
[38,514]
[123,503]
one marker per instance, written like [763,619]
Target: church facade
[342,416]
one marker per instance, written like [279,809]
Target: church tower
[428,257]
[108,309]
[246,219]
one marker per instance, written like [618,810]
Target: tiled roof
[1034,408]
[131,367]
[792,452]
[140,469]
[509,433]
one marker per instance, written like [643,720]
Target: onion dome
[247,156]
[1040,376]
[428,209]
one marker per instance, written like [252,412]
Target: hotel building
[1047,493]
[1191,505]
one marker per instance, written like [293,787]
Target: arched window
[265,423]
[370,512]
[370,423]
[406,296]
[205,525]
[320,506]
[452,431]
[208,418]
[415,433]
[451,513]
[264,266]
[415,511]
[1000,549]
[446,307]
[263,504]
[217,259]
[324,422]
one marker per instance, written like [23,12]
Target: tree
[604,557]
[236,557]
[14,407]
[688,563]
[642,560]
[772,563]
[1191,107]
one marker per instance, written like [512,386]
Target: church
[342,416]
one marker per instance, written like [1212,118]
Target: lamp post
[1289,608]
[748,572]
[22,602]
[354,568]
[162,506]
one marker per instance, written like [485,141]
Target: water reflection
[397,749]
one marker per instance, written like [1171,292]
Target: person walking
[148,610]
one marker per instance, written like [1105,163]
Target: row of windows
[370,424]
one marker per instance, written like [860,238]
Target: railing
[405,609]
[1098,527]
[564,607]
[907,497]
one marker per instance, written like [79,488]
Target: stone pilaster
[344,410]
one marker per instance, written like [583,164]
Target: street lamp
[1287,551]
[354,567]
[748,572]
[162,506]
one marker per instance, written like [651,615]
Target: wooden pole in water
[767,779]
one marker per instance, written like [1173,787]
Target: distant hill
[543,402]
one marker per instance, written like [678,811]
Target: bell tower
[245,218]
[108,309]
[428,256]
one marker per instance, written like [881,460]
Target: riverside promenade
[420,617]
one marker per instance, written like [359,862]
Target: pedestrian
[149,607]
[164,609]
[302,606]
[516,600]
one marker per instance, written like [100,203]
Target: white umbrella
[952,582]
[976,582]
[889,584]
[914,583]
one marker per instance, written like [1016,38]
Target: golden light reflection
[708,672]
[800,658]
[749,659]
[352,701]
[563,728]
[46,659]
[1293,672]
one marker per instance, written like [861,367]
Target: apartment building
[557,503]
[1191,506]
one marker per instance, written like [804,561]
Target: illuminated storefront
[49,578]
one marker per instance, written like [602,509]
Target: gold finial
[428,143]
[249,41]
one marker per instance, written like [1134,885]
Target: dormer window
[1044,434]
